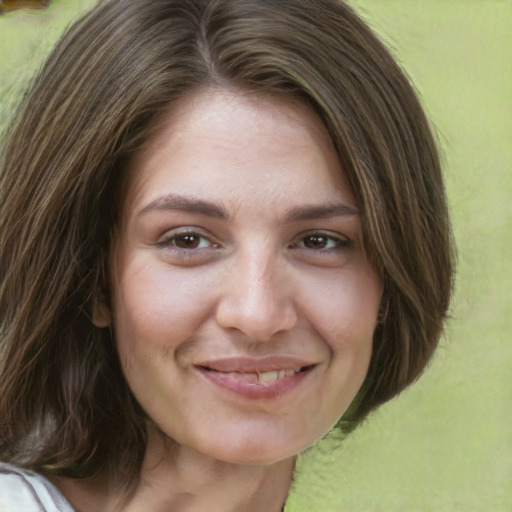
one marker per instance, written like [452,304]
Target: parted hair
[65,407]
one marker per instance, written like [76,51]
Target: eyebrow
[172,202]
[320,212]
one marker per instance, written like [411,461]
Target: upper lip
[255,365]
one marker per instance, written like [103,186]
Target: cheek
[158,306]
[345,308]
[347,317]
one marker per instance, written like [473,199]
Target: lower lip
[254,389]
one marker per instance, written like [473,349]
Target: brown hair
[64,404]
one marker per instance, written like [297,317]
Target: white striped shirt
[25,491]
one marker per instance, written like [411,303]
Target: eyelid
[166,239]
[342,240]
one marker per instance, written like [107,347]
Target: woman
[224,232]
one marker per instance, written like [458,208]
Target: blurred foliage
[14,5]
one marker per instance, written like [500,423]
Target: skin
[240,238]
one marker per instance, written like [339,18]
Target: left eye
[321,242]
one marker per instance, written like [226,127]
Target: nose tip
[258,304]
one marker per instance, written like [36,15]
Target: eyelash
[337,243]
[170,239]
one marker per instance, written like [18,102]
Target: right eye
[187,241]
[187,246]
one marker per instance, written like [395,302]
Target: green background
[446,443]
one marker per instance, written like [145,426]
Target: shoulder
[22,490]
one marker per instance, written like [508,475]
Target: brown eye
[187,241]
[316,241]
[323,242]
[13,5]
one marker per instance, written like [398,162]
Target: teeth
[250,376]
[269,376]
[277,374]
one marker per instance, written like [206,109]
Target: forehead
[231,109]
[217,141]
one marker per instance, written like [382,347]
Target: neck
[178,479]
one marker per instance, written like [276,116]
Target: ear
[101,314]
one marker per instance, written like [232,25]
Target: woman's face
[243,303]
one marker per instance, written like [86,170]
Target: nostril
[259,321]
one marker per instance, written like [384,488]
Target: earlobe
[101,315]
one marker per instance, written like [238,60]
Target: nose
[257,298]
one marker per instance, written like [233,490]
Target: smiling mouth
[261,376]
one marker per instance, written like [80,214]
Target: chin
[257,450]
